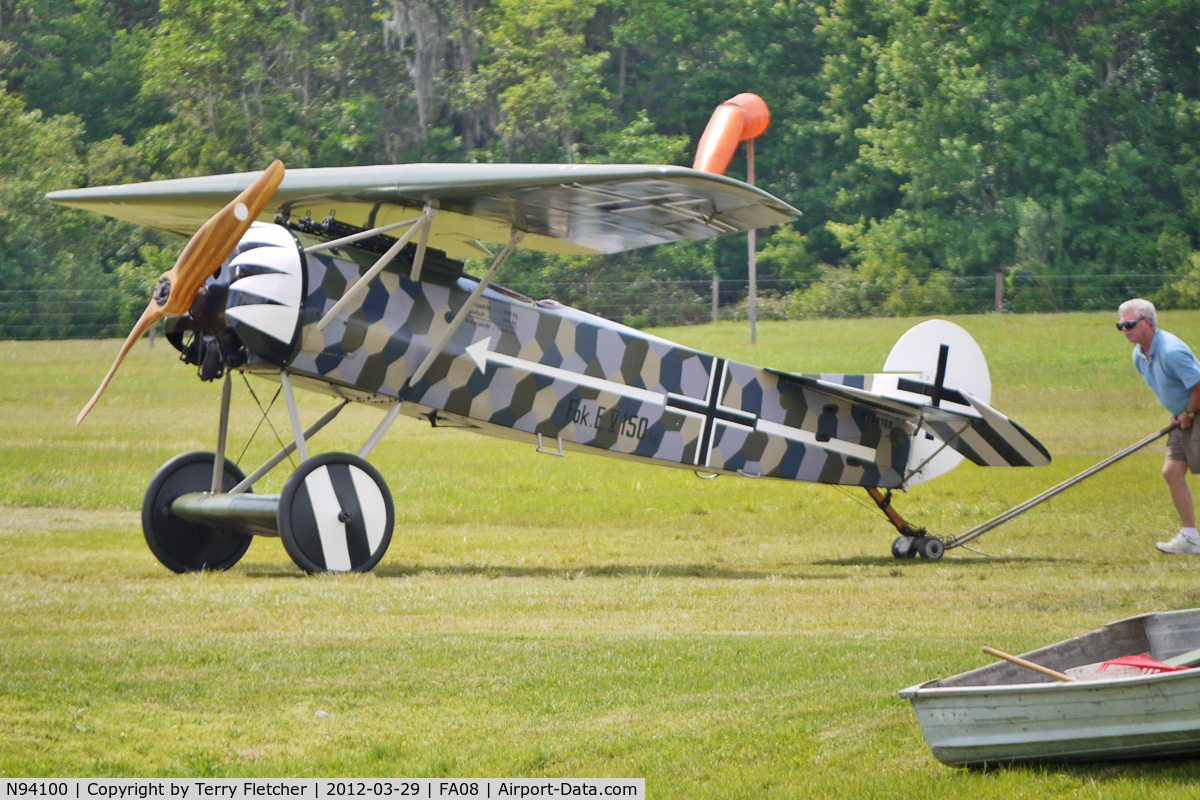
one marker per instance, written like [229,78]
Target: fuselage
[538,371]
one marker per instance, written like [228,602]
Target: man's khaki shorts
[1185,446]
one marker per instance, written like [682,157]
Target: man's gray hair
[1144,309]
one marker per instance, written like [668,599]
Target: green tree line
[931,144]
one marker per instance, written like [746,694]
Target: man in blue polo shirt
[1173,372]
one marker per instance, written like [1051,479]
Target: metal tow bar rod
[1000,519]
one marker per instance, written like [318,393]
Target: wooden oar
[1191,659]
[1020,662]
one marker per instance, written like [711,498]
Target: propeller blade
[176,289]
[151,315]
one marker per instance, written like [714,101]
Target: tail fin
[944,357]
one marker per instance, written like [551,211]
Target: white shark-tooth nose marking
[271,287]
[268,298]
[278,322]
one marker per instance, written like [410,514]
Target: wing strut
[419,226]
[356,237]
[222,433]
[380,430]
[422,242]
[484,282]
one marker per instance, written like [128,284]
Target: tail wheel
[904,547]
[930,548]
[184,546]
[336,515]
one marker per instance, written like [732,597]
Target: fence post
[715,282]
[1000,291]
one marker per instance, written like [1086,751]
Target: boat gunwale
[1050,655]
[927,690]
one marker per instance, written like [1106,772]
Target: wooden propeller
[177,287]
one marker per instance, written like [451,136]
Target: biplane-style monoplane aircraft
[350,282]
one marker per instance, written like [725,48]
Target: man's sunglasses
[1129,325]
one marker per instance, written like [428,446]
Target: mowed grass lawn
[581,617]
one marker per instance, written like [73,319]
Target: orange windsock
[736,120]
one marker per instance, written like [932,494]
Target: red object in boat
[1146,664]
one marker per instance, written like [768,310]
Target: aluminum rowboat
[1005,713]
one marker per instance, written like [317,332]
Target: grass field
[579,617]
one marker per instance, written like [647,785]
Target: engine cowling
[249,309]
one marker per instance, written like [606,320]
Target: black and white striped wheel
[336,514]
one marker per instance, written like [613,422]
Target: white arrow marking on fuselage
[480,354]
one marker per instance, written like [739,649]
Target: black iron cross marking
[711,410]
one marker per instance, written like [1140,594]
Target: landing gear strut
[912,541]
[335,513]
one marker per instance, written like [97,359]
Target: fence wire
[84,314]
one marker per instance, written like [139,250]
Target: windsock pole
[753,259]
[739,119]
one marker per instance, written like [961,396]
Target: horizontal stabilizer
[997,441]
[983,435]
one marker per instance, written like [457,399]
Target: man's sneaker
[1180,544]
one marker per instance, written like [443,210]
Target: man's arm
[1185,419]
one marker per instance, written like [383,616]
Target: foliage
[46,254]
[1184,292]
[769,305]
[940,140]
[786,254]
[981,109]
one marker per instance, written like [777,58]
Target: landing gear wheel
[184,546]
[930,548]
[904,547]
[336,515]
